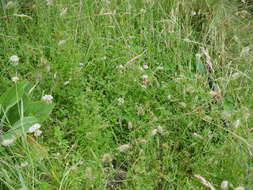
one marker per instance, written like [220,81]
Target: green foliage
[18,112]
[190,116]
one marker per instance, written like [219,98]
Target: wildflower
[124,147]
[120,68]
[8,142]
[63,11]
[224,185]
[61,42]
[239,188]
[145,66]
[37,133]
[121,101]
[14,59]
[215,94]
[24,164]
[33,128]
[14,79]
[193,13]
[154,132]
[48,99]
[107,157]
[145,78]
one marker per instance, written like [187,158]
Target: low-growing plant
[19,114]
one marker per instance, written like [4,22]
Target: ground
[148,94]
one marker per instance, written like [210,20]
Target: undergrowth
[148,94]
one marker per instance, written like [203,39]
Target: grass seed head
[124,147]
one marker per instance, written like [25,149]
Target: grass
[94,56]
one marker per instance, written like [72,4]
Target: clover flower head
[121,101]
[224,185]
[14,59]
[33,128]
[14,79]
[8,142]
[48,99]
[37,133]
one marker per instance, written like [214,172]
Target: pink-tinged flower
[33,128]
[48,99]
[37,133]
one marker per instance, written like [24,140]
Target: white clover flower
[121,101]
[154,132]
[8,142]
[24,164]
[33,128]
[124,147]
[239,188]
[224,185]
[61,42]
[145,77]
[37,133]
[48,99]
[14,59]
[14,79]
[145,67]
[120,68]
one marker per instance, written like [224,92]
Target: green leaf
[200,67]
[13,114]
[38,109]
[13,95]
[20,127]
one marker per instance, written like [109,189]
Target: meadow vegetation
[147,94]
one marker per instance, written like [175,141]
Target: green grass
[77,58]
